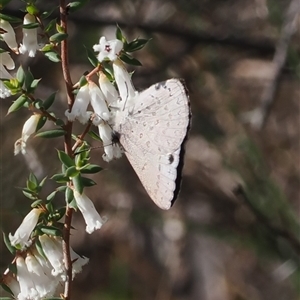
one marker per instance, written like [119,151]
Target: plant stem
[68,147]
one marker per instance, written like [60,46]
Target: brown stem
[68,148]
[81,137]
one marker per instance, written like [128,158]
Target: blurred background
[233,233]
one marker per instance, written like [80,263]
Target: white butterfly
[152,130]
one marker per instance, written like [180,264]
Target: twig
[277,231]
[68,148]
[258,117]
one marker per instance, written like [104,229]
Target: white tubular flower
[10,280]
[108,49]
[79,109]
[45,286]
[21,237]
[98,102]
[78,262]
[5,61]
[86,206]
[29,128]
[111,149]
[54,254]
[27,290]
[9,36]
[109,91]
[30,43]
[123,79]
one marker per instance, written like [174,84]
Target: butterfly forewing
[152,131]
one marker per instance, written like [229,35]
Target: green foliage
[76,5]
[17,104]
[65,159]
[21,76]
[120,36]
[53,56]
[10,19]
[135,45]
[91,57]
[78,183]
[58,37]
[129,59]
[90,169]
[31,25]
[32,9]
[49,134]
[50,26]
[7,243]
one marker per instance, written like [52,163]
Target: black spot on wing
[171,158]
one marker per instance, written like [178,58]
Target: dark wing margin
[178,179]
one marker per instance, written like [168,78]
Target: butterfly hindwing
[152,131]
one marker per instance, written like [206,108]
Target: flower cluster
[39,269]
[105,99]
[40,274]
[29,44]
[39,266]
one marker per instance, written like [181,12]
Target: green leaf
[53,56]
[51,196]
[51,133]
[49,207]
[33,178]
[41,123]
[38,103]
[33,85]
[60,178]
[36,203]
[47,14]
[119,35]
[51,25]
[82,156]
[69,195]
[51,230]
[88,182]
[91,57]
[65,159]
[58,37]
[82,81]
[10,19]
[41,184]
[76,5]
[21,75]
[72,172]
[90,169]
[61,188]
[94,136]
[128,59]
[78,183]
[47,48]
[49,101]
[28,79]
[32,9]
[31,185]
[135,45]
[18,104]
[31,26]
[7,243]
[29,195]
[108,70]
[59,28]
[9,291]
